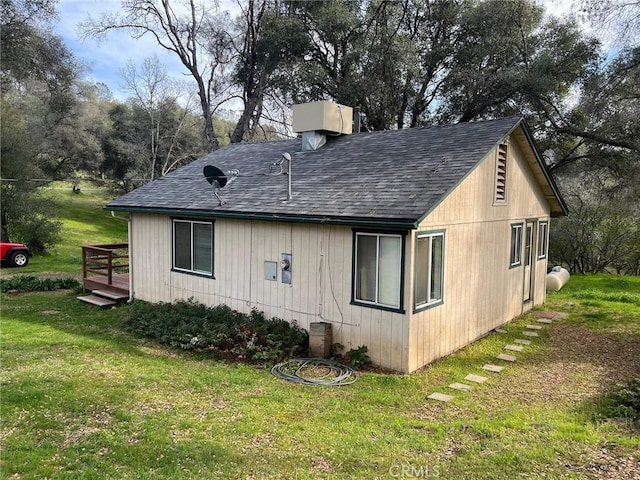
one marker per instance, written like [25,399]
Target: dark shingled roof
[380,178]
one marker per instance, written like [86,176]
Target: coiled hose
[315,371]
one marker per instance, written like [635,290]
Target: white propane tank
[557,278]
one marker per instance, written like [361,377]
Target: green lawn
[84,222]
[80,398]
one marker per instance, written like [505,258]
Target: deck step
[96,300]
[111,294]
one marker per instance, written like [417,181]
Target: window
[516,245]
[378,269]
[429,269]
[501,174]
[543,235]
[193,246]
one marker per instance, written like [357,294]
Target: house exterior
[412,242]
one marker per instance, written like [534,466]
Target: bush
[29,283]
[192,326]
[358,357]
[623,402]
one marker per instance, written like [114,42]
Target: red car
[15,254]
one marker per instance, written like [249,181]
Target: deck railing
[105,260]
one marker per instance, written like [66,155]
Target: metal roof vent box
[316,119]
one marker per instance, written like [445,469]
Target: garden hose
[332,374]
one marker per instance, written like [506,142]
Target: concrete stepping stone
[522,342]
[500,330]
[476,378]
[530,334]
[544,320]
[492,368]
[560,316]
[441,397]
[506,358]
[534,327]
[460,386]
[514,348]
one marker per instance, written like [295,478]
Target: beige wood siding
[481,292]
[321,279]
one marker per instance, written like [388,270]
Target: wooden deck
[106,267]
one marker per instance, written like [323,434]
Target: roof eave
[564,209]
[386,223]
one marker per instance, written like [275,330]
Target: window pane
[516,244]
[436,268]
[366,252]
[202,247]
[389,271]
[422,270]
[542,242]
[182,245]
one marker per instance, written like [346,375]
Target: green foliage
[220,330]
[623,402]
[30,283]
[358,356]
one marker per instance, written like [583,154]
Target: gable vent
[501,174]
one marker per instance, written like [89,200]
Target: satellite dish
[218,179]
[214,174]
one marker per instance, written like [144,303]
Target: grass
[84,222]
[82,399]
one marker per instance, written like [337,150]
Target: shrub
[623,402]
[29,283]
[192,326]
[358,356]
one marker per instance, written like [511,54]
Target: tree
[602,232]
[178,28]
[37,78]
[159,97]
[620,17]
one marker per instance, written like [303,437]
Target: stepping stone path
[475,378]
[543,317]
[514,348]
[492,368]
[506,358]
[441,397]
[460,386]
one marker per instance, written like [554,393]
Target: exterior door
[529,248]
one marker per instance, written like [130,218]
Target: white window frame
[377,304]
[515,253]
[174,246]
[543,240]
[430,301]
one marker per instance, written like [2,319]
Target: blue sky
[105,58]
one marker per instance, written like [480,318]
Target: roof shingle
[396,175]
